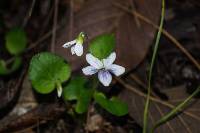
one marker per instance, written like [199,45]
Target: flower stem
[175,110]
[145,115]
[59,88]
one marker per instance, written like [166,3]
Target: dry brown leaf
[103,16]
[183,123]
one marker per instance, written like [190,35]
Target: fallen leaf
[182,123]
[133,36]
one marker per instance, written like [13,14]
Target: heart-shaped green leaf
[16,41]
[76,90]
[113,105]
[47,70]
[102,46]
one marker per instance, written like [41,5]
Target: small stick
[54,26]
[29,14]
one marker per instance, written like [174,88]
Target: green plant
[151,68]
[48,71]
[112,105]
[175,110]
[15,42]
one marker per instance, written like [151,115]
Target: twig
[54,26]
[43,112]
[135,17]
[46,22]
[71,21]
[31,127]
[88,118]
[47,35]
[29,13]
[35,44]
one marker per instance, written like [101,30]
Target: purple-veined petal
[68,44]
[109,60]
[89,70]
[117,70]
[72,50]
[93,61]
[105,77]
[78,48]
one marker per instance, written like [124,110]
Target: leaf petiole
[59,88]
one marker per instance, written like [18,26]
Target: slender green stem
[145,117]
[173,112]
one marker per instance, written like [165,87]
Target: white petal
[68,44]
[89,70]
[116,69]
[109,60]
[105,77]
[93,61]
[78,49]
[59,91]
[72,50]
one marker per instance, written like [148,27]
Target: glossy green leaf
[102,46]
[113,105]
[4,70]
[16,41]
[46,70]
[76,90]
